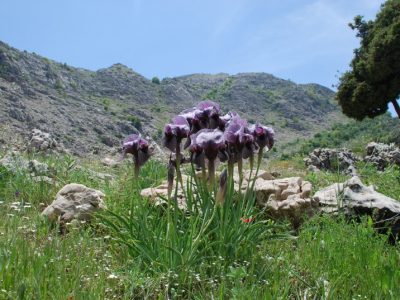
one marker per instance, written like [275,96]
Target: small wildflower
[247,220]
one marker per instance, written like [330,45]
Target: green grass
[353,135]
[138,251]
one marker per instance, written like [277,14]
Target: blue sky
[302,40]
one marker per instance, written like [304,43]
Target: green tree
[155,80]
[374,79]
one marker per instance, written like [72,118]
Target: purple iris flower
[207,144]
[264,136]
[139,147]
[206,115]
[240,145]
[226,119]
[175,132]
[239,138]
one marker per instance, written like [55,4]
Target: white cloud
[318,29]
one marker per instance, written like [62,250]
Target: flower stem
[240,171]
[260,157]
[203,174]
[178,166]
[136,169]
[211,174]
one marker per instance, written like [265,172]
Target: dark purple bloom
[209,141]
[207,144]
[240,145]
[264,136]
[17,194]
[240,141]
[139,148]
[208,106]
[226,119]
[206,115]
[175,132]
[190,114]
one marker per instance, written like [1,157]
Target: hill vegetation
[90,112]
[353,135]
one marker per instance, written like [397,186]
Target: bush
[135,121]
[155,80]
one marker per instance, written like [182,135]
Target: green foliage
[354,135]
[135,121]
[106,103]
[220,90]
[333,259]
[58,85]
[155,80]
[373,82]
[141,251]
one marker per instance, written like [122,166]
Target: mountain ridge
[91,111]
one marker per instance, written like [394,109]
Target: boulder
[43,142]
[110,162]
[355,199]
[286,198]
[331,160]
[158,195]
[265,175]
[75,202]
[382,155]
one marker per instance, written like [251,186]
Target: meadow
[135,250]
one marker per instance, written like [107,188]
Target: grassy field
[138,251]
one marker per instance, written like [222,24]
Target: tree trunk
[396,107]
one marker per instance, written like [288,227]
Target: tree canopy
[374,78]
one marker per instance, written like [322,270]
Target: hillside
[91,111]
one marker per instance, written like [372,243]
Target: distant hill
[91,111]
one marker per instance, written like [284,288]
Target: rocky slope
[90,112]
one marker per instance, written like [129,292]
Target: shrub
[135,121]
[155,80]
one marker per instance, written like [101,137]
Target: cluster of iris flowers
[210,137]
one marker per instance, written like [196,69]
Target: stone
[334,160]
[43,142]
[355,199]
[75,202]
[382,155]
[265,175]
[286,198]
[110,162]
[38,168]
[157,196]
[282,198]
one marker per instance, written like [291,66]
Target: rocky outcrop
[43,142]
[355,199]
[382,155]
[75,202]
[286,198]
[158,195]
[334,160]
